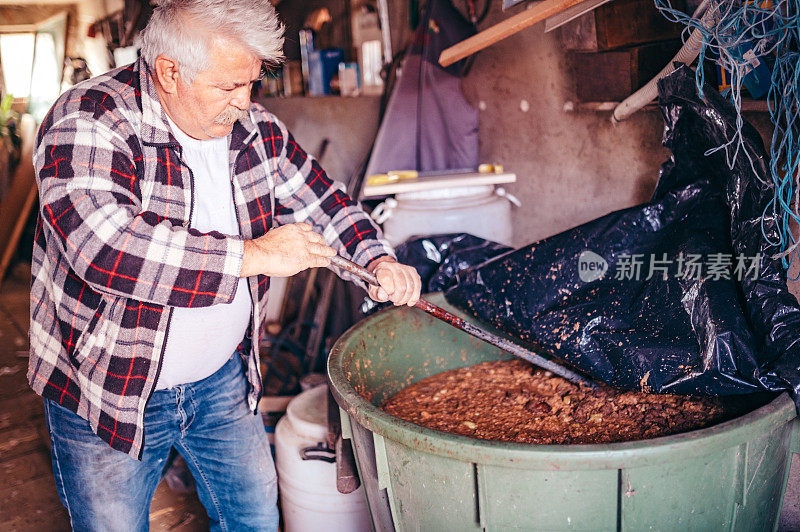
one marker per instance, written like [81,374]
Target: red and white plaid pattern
[114,252]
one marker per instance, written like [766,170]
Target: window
[46,76]
[33,63]
[16,54]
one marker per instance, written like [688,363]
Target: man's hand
[285,251]
[399,283]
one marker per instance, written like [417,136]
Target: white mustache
[229,116]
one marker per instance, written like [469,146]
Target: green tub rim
[546,457]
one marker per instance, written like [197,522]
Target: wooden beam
[20,198]
[504,29]
[18,28]
[568,15]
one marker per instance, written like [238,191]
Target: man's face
[219,95]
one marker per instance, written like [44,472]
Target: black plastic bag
[669,330]
[439,258]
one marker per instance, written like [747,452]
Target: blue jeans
[208,422]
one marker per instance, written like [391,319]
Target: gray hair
[179,30]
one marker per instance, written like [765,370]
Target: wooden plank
[30,492]
[618,24]
[15,302]
[32,504]
[615,75]
[13,351]
[27,408]
[748,106]
[568,15]
[177,518]
[20,440]
[504,29]
[30,500]
[52,521]
[21,469]
[18,203]
[432,182]
[173,511]
[13,385]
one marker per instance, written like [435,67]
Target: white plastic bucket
[478,210]
[309,498]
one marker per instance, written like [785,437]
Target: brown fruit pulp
[513,401]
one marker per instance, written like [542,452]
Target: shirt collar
[155,128]
[244,130]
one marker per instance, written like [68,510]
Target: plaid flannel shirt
[114,253]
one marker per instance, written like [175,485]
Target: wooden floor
[28,497]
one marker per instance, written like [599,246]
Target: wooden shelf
[321,97]
[748,106]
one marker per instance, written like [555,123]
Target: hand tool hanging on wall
[469,328]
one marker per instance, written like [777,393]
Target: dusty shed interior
[572,165]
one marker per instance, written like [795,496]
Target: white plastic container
[479,210]
[309,499]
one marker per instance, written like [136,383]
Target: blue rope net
[743,36]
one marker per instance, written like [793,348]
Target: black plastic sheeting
[689,333]
[439,258]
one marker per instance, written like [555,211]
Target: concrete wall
[350,125]
[572,166]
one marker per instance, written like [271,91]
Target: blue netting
[740,36]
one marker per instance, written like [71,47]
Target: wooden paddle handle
[504,29]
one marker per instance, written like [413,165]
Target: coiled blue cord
[774,31]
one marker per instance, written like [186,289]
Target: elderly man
[168,200]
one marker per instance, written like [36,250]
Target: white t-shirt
[201,340]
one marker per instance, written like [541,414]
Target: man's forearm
[249,260]
[285,251]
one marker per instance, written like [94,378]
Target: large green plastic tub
[728,477]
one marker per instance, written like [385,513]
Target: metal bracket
[320,452]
